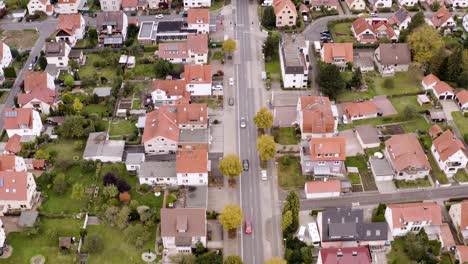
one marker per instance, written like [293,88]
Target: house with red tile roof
[39,92]
[429,81]
[443,91]
[285,12]
[169,92]
[449,153]
[192,166]
[199,19]
[70,28]
[327,4]
[356,4]
[322,189]
[323,157]
[22,121]
[369,30]
[17,191]
[13,145]
[12,163]
[198,78]
[441,18]
[461,98]
[459,215]
[67,6]
[316,117]
[40,6]
[435,131]
[129,5]
[5,57]
[183,228]
[344,255]
[337,53]
[193,50]
[359,110]
[412,217]
[407,157]
[461,254]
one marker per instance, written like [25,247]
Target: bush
[151,48]
[9,72]
[286,160]
[378,215]
[212,215]
[7,84]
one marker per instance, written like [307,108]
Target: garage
[381,169]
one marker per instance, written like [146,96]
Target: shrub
[151,48]
[123,186]
[7,84]
[286,160]
[109,179]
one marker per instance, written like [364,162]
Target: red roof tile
[192,161]
[317,115]
[197,43]
[351,255]
[323,186]
[335,50]
[7,162]
[279,5]
[171,87]
[435,131]
[161,123]
[14,144]
[323,149]
[69,23]
[192,114]
[198,16]
[412,212]
[463,252]
[462,97]
[16,118]
[430,79]
[406,152]
[129,3]
[197,73]
[361,108]
[448,144]
[14,186]
[443,87]
[441,16]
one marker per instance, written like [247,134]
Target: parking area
[216,131]
[384,105]
[449,106]
[352,144]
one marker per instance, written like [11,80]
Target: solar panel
[11,114]
[1,182]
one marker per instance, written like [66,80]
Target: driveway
[384,105]
[386,186]
[449,106]
[352,144]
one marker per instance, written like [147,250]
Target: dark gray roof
[291,48]
[368,134]
[27,218]
[55,49]
[346,224]
[110,18]
[395,53]
[400,15]
[155,169]
[75,54]
[381,167]
[170,26]
[99,146]
[193,136]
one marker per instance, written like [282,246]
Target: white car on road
[159,16]
[231,81]
[217,87]
[264,175]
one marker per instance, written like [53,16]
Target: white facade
[359,117]
[459,3]
[40,6]
[196,3]
[192,179]
[6,58]
[158,180]
[405,23]
[404,174]
[77,35]
[28,203]
[407,2]
[169,243]
[202,28]
[292,76]
[2,234]
[67,7]
[110,5]
[160,145]
[60,61]
[453,163]
[382,4]
[39,105]
[35,130]
[199,89]
[160,96]
[449,23]
[456,213]
[356,5]
[198,58]
[414,227]
[154,4]
[322,195]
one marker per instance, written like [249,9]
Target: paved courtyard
[352,144]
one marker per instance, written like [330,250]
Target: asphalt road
[375,198]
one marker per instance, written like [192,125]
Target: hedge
[151,48]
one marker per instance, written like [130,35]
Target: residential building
[461,254]
[22,121]
[371,30]
[322,189]
[391,58]
[5,57]
[285,12]
[412,217]
[57,54]
[3,244]
[13,145]
[129,5]
[368,136]
[70,28]
[110,5]
[449,153]
[158,173]
[356,4]
[407,157]
[323,157]
[169,92]
[12,163]
[147,33]
[400,19]
[443,91]
[435,131]
[461,98]
[359,110]
[407,3]
[316,117]
[67,6]
[17,191]
[192,167]
[156,4]
[194,50]
[112,28]
[40,6]
[39,92]
[347,255]
[379,4]
[294,60]
[429,81]
[459,215]
[196,4]
[337,53]
[134,161]
[458,3]
[442,18]
[100,147]
[198,78]
[183,228]
[199,19]
[327,4]
[170,31]
[345,226]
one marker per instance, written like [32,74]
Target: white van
[317,46]
[301,233]
[314,233]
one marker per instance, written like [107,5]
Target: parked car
[325,32]
[217,87]
[159,16]
[264,175]
[31,66]
[243,122]
[231,101]
[301,233]
[373,14]
[231,81]
[248,226]
[245,164]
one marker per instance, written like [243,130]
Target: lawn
[273,66]
[461,122]
[122,128]
[418,183]
[289,172]
[100,68]
[44,242]
[400,103]
[285,135]
[354,178]
[116,248]
[65,149]
[461,176]
[136,104]
[360,161]
[398,255]
[20,39]
[436,173]
[100,109]
[141,71]
[3,97]
[341,32]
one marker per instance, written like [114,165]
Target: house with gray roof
[111,27]
[345,227]
[368,136]
[99,147]
[158,173]
[392,57]
[294,60]
[400,19]
[133,161]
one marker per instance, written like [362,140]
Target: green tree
[292,204]
[75,126]
[356,80]
[276,260]
[78,191]
[110,191]
[416,21]
[231,217]
[77,104]
[122,217]
[135,234]
[163,68]
[263,118]
[42,154]
[230,166]
[435,6]
[286,221]
[60,185]
[110,215]
[93,37]
[229,46]
[410,112]
[94,243]
[266,146]
[455,65]
[144,212]
[270,46]
[66,98]
[9,72]
[210,258]
[425,41]
[269,18]
[68,81]
[436,64]
[233,260]
[330,80]
[42,62]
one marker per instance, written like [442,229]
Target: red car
[248,226]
